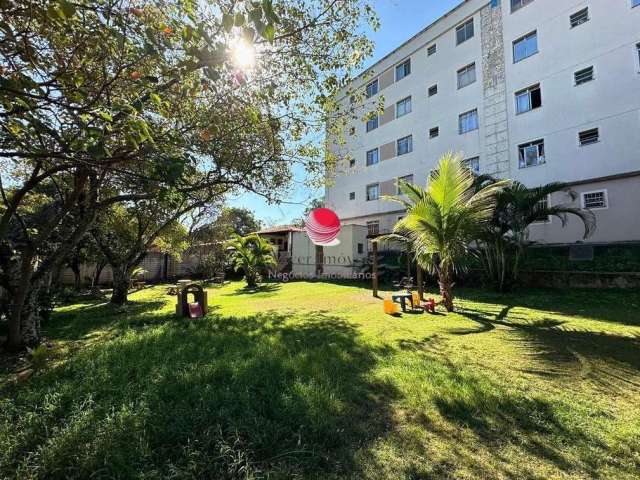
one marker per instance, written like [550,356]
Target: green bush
[38,357]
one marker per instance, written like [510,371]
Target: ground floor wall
[157,267]
[618,220]
[340,260]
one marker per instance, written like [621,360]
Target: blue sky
[400,20]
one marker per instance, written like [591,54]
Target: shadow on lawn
[613,306]
[610,361]
[96,314]
[215,398]
[502,421]
[262,290]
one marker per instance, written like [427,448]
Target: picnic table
[402,298]
[180,284]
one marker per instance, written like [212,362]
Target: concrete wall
[621,219]
[154,264]
[341,259]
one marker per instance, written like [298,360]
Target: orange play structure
[390,307]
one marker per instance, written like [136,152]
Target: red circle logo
[322,227]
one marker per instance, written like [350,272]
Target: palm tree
[443,219]
[253,255]
[504,241]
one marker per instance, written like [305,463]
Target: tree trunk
[446,290]
[20,274]
[121,281]
[24,319]
[77,281]
[30,318]
[98,271]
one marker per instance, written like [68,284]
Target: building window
[638,51]
[583,76]
[542,205]
[466,75]
[595,200]
[406,179]
[360,248]
[464,32]
[403,70]
[352,162]
[403,107]
[525,46]
[579,18]
[372,157]
[373,227]
[373,192]
[528,99]
[531,154]
[352,195]
[432,50]
[405,145]
[372,123]
[434,132]
[589,137]
[518,4]
[473,164]
[433,90]
[467,122]
[372,88]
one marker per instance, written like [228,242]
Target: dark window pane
[536,98]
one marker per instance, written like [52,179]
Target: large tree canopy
[111,101]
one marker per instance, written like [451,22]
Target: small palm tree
[443,219]
[253,255]
[505,240]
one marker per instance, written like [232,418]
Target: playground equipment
[390,307]
[430,305]
[195,309]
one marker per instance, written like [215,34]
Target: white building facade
[533,90]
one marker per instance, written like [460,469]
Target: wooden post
[419,280]
[374,267]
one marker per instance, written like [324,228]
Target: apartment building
[533,90]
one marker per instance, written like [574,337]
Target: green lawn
[312,381]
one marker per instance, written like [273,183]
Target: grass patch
[312,380]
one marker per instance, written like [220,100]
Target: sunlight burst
[243,55]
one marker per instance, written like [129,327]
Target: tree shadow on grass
[263,396]
[502,420]
[610,361]
[262,290]
[93,315]
[613,306]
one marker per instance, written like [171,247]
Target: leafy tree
[313,204]
[229,220]
[253,255]
[86,252]
[109,102]
[504,240]
[443,219]
[125,234]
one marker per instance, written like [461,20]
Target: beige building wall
[609,42]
